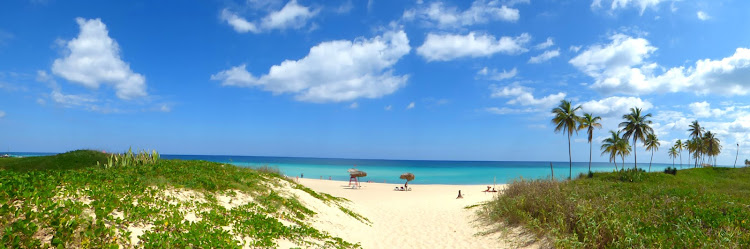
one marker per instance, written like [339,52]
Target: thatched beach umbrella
[408,177]
[358,173]
[354,173]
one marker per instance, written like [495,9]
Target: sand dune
[429,216]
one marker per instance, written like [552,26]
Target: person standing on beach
[459,195]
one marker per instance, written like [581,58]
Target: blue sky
[455,80]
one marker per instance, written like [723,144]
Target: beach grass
[72,200]
[695,208]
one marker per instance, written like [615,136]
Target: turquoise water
[425,171]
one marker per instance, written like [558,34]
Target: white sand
[429,216]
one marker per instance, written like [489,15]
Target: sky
[442,80]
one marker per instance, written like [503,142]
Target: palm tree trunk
[615,162]
[623,162]
[590,151]
[735,157]
[635,153]
[652,160]
[570,158]
[680,158]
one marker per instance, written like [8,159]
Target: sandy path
[430,216]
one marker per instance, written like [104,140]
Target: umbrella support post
[353,180]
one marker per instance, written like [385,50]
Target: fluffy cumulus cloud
[439,15]
[445,47]
[615,4]
[410,106]
[291,16]
[614,106]
[522,96]
[704,110]
[333,71]
[493,74]
[547,55]
[621,66]
[93,59]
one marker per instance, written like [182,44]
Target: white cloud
[445,47]
[333,71]
[238,23]
[545,44]
[291,16]
[642,4]
[445,17]
[388,107]
[704,110]
[621,67]
[71,100]
[354,105]
[520,95]
[703,16]
[614,106]
[493,74]
[93,58]
[575,48]
[547,55]
[2,114]
[506,110]
[410,106]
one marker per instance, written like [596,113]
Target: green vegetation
[697,208]
[74,200]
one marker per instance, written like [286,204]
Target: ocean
[425,171]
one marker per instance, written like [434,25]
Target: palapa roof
[407,176]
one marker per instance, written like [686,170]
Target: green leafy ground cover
[70,200]
[696,208]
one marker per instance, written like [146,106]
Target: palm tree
[678,145]
[652,143]
[590,122]
[696,132]
[712,146]
[610,145]
[637,126]
[566,120]
[673,154]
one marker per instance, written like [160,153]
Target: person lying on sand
[488,189]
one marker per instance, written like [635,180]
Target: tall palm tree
[678,145]
[712,146]
[696,132]
[590,122]
[566,120]
[673,154]
[610,145]
[652,143]
[637,126]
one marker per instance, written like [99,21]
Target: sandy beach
[429,216]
